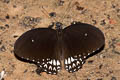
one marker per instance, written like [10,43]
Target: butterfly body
[56,49]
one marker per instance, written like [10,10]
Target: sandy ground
[19,16]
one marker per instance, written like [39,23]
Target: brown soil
[15,18]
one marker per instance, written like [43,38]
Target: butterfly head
[58,25]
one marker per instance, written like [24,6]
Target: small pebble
[7,17]
[15,36]
[94,21]
[90,61]
[113,78]
[61,2]
[52,14]
[99,79]
[118,16]
[3,49]
[113,6]
[14,6]
[88,79]
[103,22]
[6,25]
[118,10]
[2,28]
[6,1]
[79,8]
[0,42]
[100,66]
[25,71]
[12,51]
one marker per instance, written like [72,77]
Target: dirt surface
[19,16]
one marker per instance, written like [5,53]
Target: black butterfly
[61,48]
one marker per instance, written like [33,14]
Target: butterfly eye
[47,49]
[58,25]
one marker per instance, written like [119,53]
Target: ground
[19,16]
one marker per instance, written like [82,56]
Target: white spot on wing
[88,53]
[58,67]
[50,62]
[54,62]
[50,67]
[70,71]
[78,62]
[84,56]
[73,65]
[67,69]
[66,66]
[79,55]
[27,58]
[69,61]
[70,67]
[78,67]
[33,60]
[80,59]
[54,69]
[38,62]
[40,66]
[58,63]
[54,73]
[49,72]
[65,61]
[86,34]
[75,56]
[98,48]
[43,59]
[32,40]
[82,62]
[45,65]
[48,59]
[72,59]
[74,69]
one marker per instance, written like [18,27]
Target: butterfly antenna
[67,10]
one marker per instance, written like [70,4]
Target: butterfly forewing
[80,40]
[38,45]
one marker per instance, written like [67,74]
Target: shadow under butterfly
[53,50]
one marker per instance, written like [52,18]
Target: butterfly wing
[38,45]
[80,40]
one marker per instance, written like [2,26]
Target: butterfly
[55,49]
